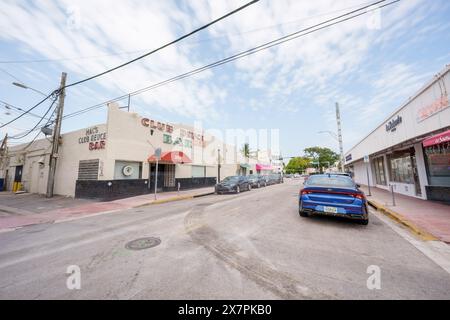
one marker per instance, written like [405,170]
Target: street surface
[253,245]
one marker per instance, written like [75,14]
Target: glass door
[416,175]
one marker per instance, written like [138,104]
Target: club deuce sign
[168,130]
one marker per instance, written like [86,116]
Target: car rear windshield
[231,179]
[330,181]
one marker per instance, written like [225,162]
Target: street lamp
[335,136]
[331,133]
[218,164]
[21,85]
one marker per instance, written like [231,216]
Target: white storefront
[124,149]
[410,150]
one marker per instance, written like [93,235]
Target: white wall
[411,127]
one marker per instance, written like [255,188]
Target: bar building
[410,150]
[117,159]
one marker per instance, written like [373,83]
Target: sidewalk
[428,219]
[71,213]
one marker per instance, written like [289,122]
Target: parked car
[234,184]
[270,179]
[278,177]
[347,174]
[335,195]
[257,181]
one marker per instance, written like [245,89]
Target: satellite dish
[127,171]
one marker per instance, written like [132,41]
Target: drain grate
[143,243]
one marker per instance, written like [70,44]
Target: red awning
[171,157]
[439,138]
[264,167]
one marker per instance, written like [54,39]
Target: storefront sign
[437,139]
[433,108]
[348,158]
[185,137]
[392,125]
[95,139]
[165,127]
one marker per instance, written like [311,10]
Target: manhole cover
[143,243]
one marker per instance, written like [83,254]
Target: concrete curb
[176,198]
[422,234]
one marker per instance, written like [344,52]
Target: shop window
[438,164]
[169,175]
[401,167]
[378,166]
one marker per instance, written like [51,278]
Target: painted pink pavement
[431,216]
[12,222]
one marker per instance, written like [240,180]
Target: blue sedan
[335,195]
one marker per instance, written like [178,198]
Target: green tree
[246,150]
[297,165]
[322,156]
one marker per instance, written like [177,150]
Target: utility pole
[341,147]
[56,137]
[3,159]
[218,165]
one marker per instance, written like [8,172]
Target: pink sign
[264,167]
[443,137]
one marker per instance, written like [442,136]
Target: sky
[370,64]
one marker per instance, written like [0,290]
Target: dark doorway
[18,174]
[160,176]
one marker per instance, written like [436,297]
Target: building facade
[410,150]
[119,158]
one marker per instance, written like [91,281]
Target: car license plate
[330,209]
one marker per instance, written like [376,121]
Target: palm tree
[246,150]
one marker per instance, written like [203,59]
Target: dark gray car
[233,184]
[257,181]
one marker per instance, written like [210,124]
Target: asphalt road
[248,246]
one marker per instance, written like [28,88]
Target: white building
[410,150]
[117,159]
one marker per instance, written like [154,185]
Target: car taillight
[303,192]
[359,196]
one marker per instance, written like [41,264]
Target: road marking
[437,251]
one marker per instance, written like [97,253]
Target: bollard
[179,185]
[393,196]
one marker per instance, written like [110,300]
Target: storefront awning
[439,138]
[245,165]
[264,167]
[171,157]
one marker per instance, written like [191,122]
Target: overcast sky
[369,65]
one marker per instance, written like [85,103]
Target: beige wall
[126,139]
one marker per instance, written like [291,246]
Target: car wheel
[303,214]
[238,189]
[364,222]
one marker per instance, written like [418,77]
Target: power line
[18,108]
[191,42]
[56,92]
[325,24]
[165,45]
[322,25]
[37,124]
